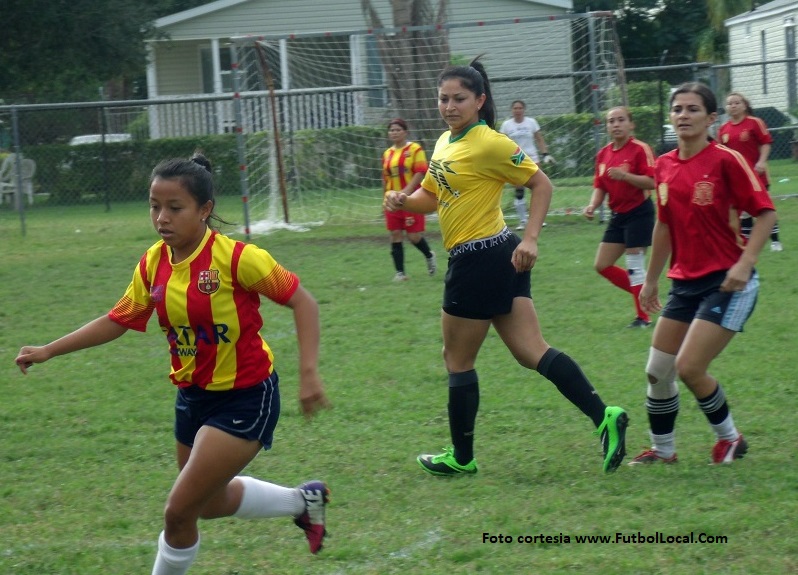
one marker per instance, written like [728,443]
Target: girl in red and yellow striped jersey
[403,166]
[205,289]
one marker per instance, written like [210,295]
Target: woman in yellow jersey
[205,289]
[488,277]
[403,166]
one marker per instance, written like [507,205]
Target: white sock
[262,499]
[664,445]
[636,266]
[726,429]
[171,561]
[520,207]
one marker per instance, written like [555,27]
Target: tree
[412,61]
[66,50]
[713,42]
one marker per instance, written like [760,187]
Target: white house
[764,37]
[190,55]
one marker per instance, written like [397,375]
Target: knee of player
[688,371]
[661,367]
[178,516]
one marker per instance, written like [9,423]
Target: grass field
[88,453]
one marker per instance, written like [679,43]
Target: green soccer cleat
[613,437]
[445,464]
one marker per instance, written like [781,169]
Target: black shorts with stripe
[633,228]
[482,283]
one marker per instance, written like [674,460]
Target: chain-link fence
[103,152]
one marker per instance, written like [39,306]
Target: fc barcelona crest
[208,281]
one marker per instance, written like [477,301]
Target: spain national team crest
[724,139]
[662,193]
[208,281]
[702,193]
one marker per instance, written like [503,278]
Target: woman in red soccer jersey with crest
[403,166]
[750,136]
[699,186]
[624,174]
[205,289]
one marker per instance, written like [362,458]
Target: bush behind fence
[119,171]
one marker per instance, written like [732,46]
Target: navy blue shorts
[632,229]
[702,299]
[249,413]
[482,283]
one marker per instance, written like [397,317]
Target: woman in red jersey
[749,135]
[205,289]
[714,283]
[403,166]
[624,174]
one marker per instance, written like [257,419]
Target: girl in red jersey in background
[624,173]
[403,166]
[714,282]
[749,135]
[206,289]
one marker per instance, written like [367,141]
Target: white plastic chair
[9,180]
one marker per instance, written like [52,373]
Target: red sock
[618,277]
[636,294]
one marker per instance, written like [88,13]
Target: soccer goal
[312,109]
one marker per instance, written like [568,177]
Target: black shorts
[248,413]
[482,283]
[702,299]
[632,229]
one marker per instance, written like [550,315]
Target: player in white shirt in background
[525,132]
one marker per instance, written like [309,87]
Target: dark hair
[195,175]
[514,102]
[399,122]
[702,91]
[475,79]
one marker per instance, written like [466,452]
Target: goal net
[313,109]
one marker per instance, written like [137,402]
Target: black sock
[746,224]
[715,406]
[423,247]
[398,255]
[463,407]
[662,414]
[564,372]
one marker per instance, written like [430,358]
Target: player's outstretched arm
[308,331]
[96,332]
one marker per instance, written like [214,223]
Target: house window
[764,50]
[375,74]
[206,62]
[789,44]
[250,78]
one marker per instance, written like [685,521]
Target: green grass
[87,453]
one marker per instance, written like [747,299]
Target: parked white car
[97,138]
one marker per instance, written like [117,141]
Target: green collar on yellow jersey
[464,132]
